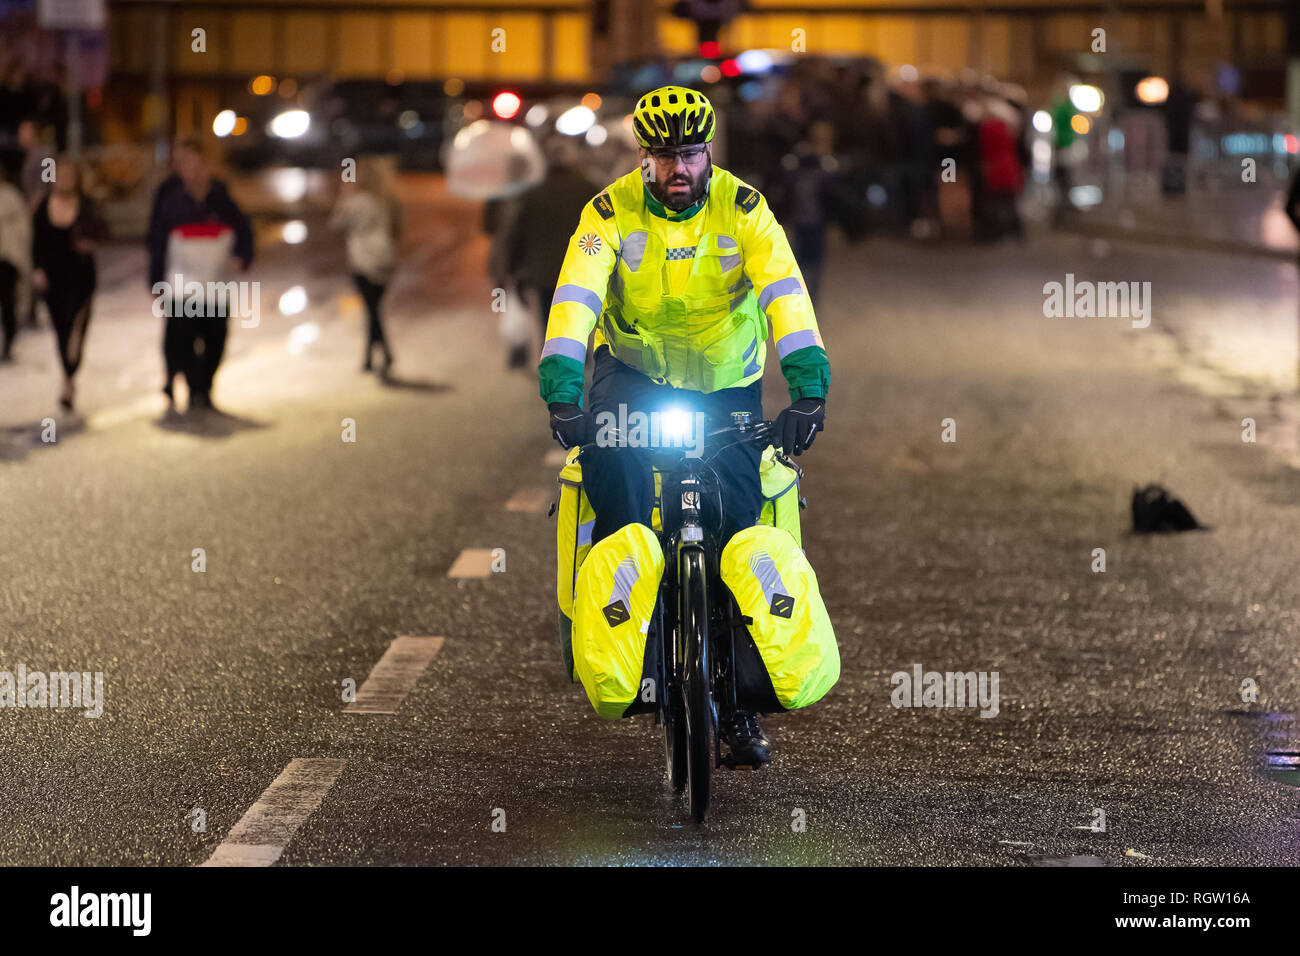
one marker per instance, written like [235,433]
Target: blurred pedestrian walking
[371,217]
[194,230]
[15,258]
[1003,177]
[536,235]
[65,229]
[806,196]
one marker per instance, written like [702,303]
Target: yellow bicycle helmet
[673,116]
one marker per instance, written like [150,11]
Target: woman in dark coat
[65,228]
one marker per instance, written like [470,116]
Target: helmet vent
[654,101]
[672,97]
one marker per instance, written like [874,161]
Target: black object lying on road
[1157,511]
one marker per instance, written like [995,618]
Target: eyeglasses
[667,157]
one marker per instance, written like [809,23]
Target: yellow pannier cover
[617,589]
[773,583]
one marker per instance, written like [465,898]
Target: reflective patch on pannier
[614,601]
[775,586]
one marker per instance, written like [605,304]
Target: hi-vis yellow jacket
[685,297]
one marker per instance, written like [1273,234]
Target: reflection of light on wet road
[303,336]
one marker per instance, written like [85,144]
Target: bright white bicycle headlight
[676,425]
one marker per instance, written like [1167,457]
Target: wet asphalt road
[1120,691]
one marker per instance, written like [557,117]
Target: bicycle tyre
[697,694]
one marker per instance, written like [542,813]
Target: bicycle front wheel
[697,692]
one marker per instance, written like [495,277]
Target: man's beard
[660,191]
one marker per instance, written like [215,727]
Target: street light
[1086,98]
[1152,90]
[291,124]
[223,124]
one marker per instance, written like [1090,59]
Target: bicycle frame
[695,619]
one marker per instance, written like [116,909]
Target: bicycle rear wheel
[697,693]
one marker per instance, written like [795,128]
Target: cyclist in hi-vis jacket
[679,267]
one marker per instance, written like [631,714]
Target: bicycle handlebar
[759,432]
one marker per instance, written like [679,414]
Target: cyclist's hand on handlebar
[798,425]
[569,424]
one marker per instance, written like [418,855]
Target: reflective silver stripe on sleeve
[569,348]
[787,286]
[726,242]
[576,293]
[729,262]
[797,340]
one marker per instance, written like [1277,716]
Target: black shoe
[745,739]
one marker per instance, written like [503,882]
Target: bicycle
[696,620]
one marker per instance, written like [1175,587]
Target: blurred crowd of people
[851,145]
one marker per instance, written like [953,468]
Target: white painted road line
[472,563]
[265,830]
[555,458]
[530,500]
[395,675]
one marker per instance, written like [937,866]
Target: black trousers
[69,306]
[193,346]
[371,294]
[209,346]
[620,482]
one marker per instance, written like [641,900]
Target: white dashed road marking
[395,675]
[472,563]
[265,830]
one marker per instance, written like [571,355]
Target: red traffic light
[506,105]
[729,67]
[710,49]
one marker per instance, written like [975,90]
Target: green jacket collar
[663,212]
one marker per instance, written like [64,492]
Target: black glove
[798,425]
[569,424]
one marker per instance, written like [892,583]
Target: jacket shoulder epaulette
[746,198]
[604,205]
